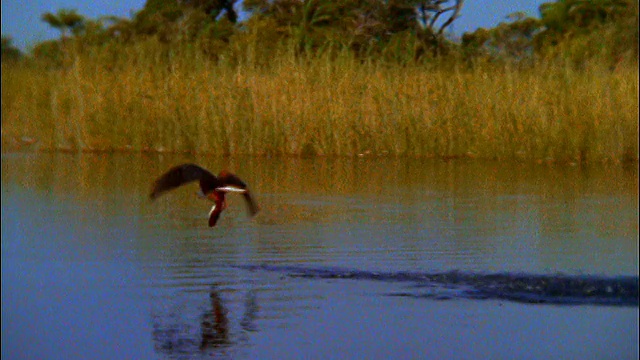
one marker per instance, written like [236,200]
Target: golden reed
[321,106]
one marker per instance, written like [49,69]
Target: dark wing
[252,207]
[229,179]
[183,174]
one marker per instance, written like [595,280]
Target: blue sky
[21,19]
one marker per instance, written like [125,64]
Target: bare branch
[456,12]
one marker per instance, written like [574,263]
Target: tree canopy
[393,30]
[9,51]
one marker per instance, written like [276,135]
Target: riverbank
[324,107]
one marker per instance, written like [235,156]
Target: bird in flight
[212,187]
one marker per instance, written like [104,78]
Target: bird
[212,187]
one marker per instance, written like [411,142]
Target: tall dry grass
[153,101]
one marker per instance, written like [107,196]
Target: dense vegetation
[317,77]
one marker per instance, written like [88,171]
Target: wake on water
[519,287]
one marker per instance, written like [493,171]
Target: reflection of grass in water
[323,107]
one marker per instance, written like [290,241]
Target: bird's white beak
[231,189]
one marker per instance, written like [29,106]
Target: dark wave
[556,289]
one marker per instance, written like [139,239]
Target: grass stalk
[153,100]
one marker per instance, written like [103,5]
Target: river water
[370,258]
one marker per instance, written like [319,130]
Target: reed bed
[322,107]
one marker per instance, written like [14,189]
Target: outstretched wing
[180,175]
[228,179]
[252,207]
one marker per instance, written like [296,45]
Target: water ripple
[518,287]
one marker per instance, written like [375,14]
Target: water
[341,262]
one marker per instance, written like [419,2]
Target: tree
[513,40]
[214,8]
[362,25]
[65,20]
[430,11]
[173,21]
[9,51]
[582,29]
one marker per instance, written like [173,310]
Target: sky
[21,19]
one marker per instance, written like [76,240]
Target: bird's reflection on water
[214,326]
[175,334]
